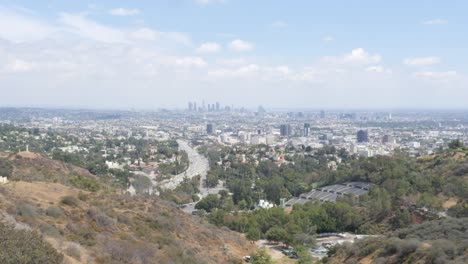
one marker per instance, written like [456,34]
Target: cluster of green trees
[403,178]
[401,185]
[215,201]
[6,168]
[181,164]
[93,161]
[400,177]
[298,227]
[185,192]
[250,182]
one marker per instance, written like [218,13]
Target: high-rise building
[195,106]
[217,106]
[190,106]
[388,139]
[362,136]
[285,130]
[322,114]
[210,129]
[306,129]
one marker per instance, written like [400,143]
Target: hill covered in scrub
[99,225]
[29,166]
[438,242]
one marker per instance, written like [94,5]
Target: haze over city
[233,131]
[278,54]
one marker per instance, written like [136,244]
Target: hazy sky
[284,53]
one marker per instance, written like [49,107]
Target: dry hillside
[107,227]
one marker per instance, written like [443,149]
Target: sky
[276,53]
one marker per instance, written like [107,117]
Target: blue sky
[317,54]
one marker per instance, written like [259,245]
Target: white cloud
[356,57]
[145,34]
[244,71]
[361,56]
[422,61]
[279,24]
[283,69]
[19,28]
[240,46]
[328,38]
[190,62]
[207,2]
[78,60]
[178,37]
[124,12]
[436,21]
[377,69]
[19,66]
[209,47]
[86,28]
[232,62]
[89,29]
[441,75]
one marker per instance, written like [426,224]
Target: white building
[270,139]
[264,204]
[3,180]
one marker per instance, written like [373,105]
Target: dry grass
[140,226]
[450,203]
[135,228]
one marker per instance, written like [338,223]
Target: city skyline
[151,55]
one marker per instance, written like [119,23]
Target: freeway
[198,165]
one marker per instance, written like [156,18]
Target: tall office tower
[203,105]
[209,107]
[210,128]
[322,114]
[190,106]
[195,106]
[285,130]
[362,136]
[306,129]
[217,106]
[388,139]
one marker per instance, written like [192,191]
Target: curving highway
[198,165]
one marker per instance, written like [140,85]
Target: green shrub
[74,251]
[27,210]
[83,234]
[49,230]
[24,247]
[261,257]
[54,212]
[84,183]
[70,201]
[100,218]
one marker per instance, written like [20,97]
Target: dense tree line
[401,187]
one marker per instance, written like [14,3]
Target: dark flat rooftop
[331,192]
